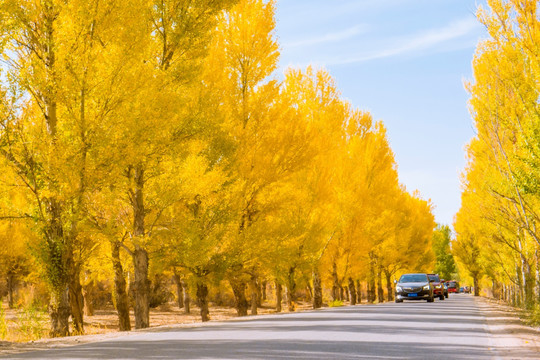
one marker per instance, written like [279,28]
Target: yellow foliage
[496,225]
[157,126]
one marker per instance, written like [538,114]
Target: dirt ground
[104,324]
[507,325]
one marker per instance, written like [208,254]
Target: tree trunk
[389,286]
[179,290]
[258,292]
[10,285]
[59,311]
[121,300]
[537,273]
[475,284]
[76,301]
[202,301]
[317,290]
[528,283]
[88,296]
[352,291]
[358,292]
[141,289]
[58,271]
[371,279]
[239,291]
[291,290]
[291,303]
[309,292]
[139,254]
[263,290]
[279,296]
[380,291]
[187,298]
[518,289]
[254,294]
[335,284]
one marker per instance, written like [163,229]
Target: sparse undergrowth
[335,303]
[3,323]
[24,325]
[532,316]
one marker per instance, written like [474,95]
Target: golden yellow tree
[246,51]
[56,53]
[305,196]
[501,175]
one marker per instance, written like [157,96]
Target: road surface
[457,328]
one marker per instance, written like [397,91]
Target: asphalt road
[456,328]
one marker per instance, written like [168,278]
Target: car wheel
[446,295]
[431,299]
[441,297]
[399,301]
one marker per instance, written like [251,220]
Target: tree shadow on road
[265,349]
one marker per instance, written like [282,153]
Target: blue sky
[405,61]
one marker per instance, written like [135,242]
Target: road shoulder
[506,329]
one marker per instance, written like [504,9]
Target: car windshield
[434,278]
[413,278]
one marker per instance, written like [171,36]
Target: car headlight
[399,289]
[426,287]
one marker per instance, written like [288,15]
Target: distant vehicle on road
[414,287]
[467,289]
[438,288]
[453,286]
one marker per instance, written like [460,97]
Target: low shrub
[335,303]
[3,323]
[32,323]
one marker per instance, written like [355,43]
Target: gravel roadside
[506,328]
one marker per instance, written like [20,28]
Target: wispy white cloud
[420,42]
[330,37]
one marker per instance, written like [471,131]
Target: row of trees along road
[146,136]
[498,239]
